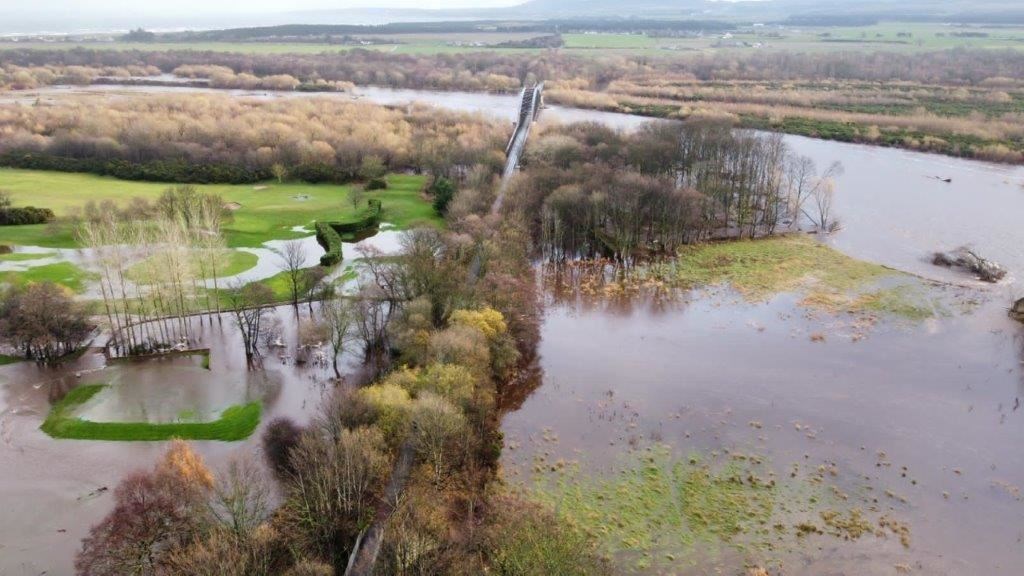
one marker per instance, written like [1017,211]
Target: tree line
[214,138]
[591,191]
[494,71]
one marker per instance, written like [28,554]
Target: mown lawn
[5,359]
[63,273]
[268,211]
[235,423]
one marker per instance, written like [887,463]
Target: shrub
[280,437]
[392,404]
[377,184]
[25,215]
[443,191]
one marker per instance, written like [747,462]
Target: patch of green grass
[761,268]
[656,506]
[902,301]
[25,256]
[229,263]
[64,273]
[5,359]
[268,211]
[825,278]
[235,423]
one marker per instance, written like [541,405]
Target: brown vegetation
[42,322]
[166,137]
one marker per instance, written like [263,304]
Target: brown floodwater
[918,410]
[928,415]
[50,486]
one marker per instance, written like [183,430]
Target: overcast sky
[165,7]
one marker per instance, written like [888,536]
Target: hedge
[25,215]
[330,234]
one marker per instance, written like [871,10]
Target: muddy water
[929,412]
[49,486]
[941,399]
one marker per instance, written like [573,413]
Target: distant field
[268,211]
[889,36]
[609,41]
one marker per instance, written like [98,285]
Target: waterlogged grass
[25,256]
[64,273]
[235,423]
[658,513]
[229,263]
[268,211]
[657,509]
[904,301]
[825,278]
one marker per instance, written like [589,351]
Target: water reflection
[716,373]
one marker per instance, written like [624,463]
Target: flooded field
[917,421]
[812,448]
[54,490]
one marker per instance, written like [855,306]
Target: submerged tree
[339,315]
[293,260]
[43,322]
[249,304]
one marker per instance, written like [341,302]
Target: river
[920,420]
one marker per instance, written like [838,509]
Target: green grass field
[884,36]
[64,273]
[235,423]
[268,211]
[5,359]
[229,263]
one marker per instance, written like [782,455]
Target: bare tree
[311,287]
[435,424]
[249,306]
[293,257]
[339,315]
[824,193]
[240,498]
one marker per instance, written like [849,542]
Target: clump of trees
[180,505]
[213,138]
[591,191]
[154,262]
[42,322]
